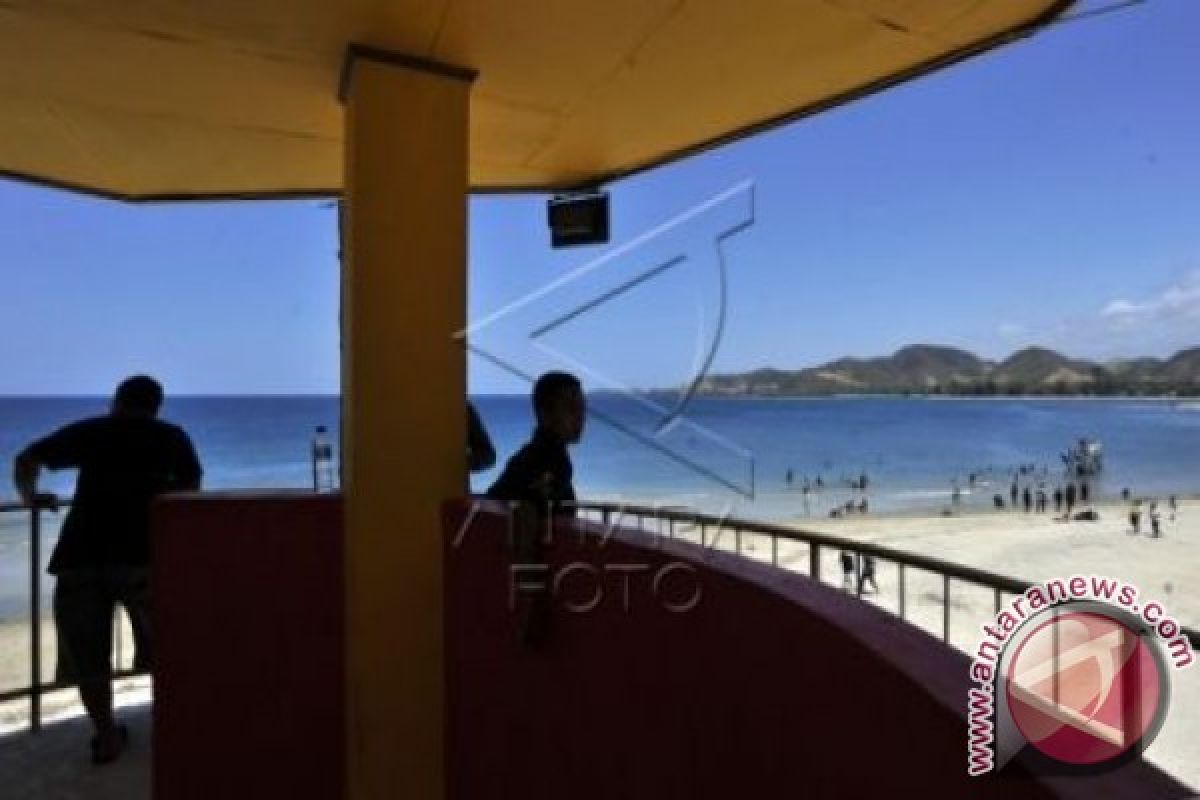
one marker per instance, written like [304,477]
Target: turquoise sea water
[719,454]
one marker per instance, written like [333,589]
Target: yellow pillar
[404,387]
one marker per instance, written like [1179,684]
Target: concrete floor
[55,763]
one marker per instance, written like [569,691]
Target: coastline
[1183,400]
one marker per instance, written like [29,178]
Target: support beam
[404,388]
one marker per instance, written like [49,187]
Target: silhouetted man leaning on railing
[103,555]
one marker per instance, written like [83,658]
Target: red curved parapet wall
[248,678]
[771,685]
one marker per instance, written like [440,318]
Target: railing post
[702,527]
[814,561]
[35,621]
[945,608]
[774,550]
[998,602]
[900,567]
[737,540]
[117,637]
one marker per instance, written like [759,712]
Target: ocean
[721,454]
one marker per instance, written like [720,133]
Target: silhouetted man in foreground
[540,473]
[537,482]
[103,555]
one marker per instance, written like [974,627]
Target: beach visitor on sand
[1135,516]
[1070,499]
[1155,520]
[867,574]
[847,570]
[102,559]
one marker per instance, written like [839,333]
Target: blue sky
[1048,193]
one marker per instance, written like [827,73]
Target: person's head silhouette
[138,396]
[559,405]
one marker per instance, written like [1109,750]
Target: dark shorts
[85,602]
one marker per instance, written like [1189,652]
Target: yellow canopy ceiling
[147,99]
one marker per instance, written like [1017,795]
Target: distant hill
[1037,366]
[935,369]
[1184,366]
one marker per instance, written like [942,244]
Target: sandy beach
[1037,547]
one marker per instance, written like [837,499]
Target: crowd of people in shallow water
[1073,499]
[1031,489]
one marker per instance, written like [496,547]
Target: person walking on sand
[1027,499]
[1070,498]
[1135,517]
[1013,493]
[1041,500]
[1173,505]
[1084,491]
[1155,520]
[1058,499]
[868,574]
[847,570]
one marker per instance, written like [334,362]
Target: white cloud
[1157,323]
[1181,301]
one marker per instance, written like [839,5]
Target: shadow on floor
[55,763]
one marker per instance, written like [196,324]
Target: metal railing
[36,687]
[1000,585]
